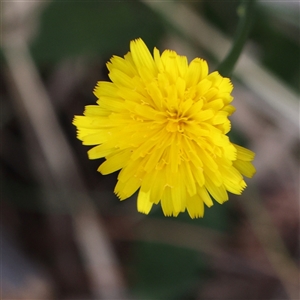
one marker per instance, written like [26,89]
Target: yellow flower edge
[163,122]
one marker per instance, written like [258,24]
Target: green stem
[227,65]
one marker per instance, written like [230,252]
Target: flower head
[163,123]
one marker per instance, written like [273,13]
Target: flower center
[175,122]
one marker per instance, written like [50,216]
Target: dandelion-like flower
[163,123]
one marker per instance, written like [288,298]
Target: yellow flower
[163,123]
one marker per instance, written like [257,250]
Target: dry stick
[100,261]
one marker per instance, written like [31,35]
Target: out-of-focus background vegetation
[64,235]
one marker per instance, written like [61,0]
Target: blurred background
[65,235]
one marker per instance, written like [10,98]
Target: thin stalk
[247,10]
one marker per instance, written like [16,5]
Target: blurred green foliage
[94,29]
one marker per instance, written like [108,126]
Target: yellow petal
[99,152]
[123,65]
[104,88]
[218,192]
[115,162]
[188,178]
[158,185]
[195,206]
[143,203]
[167,203]
[197,70]
[204,196]
[93,137]
[142,57]
[243,153]
[245,167]
[121,79]
[126,189]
